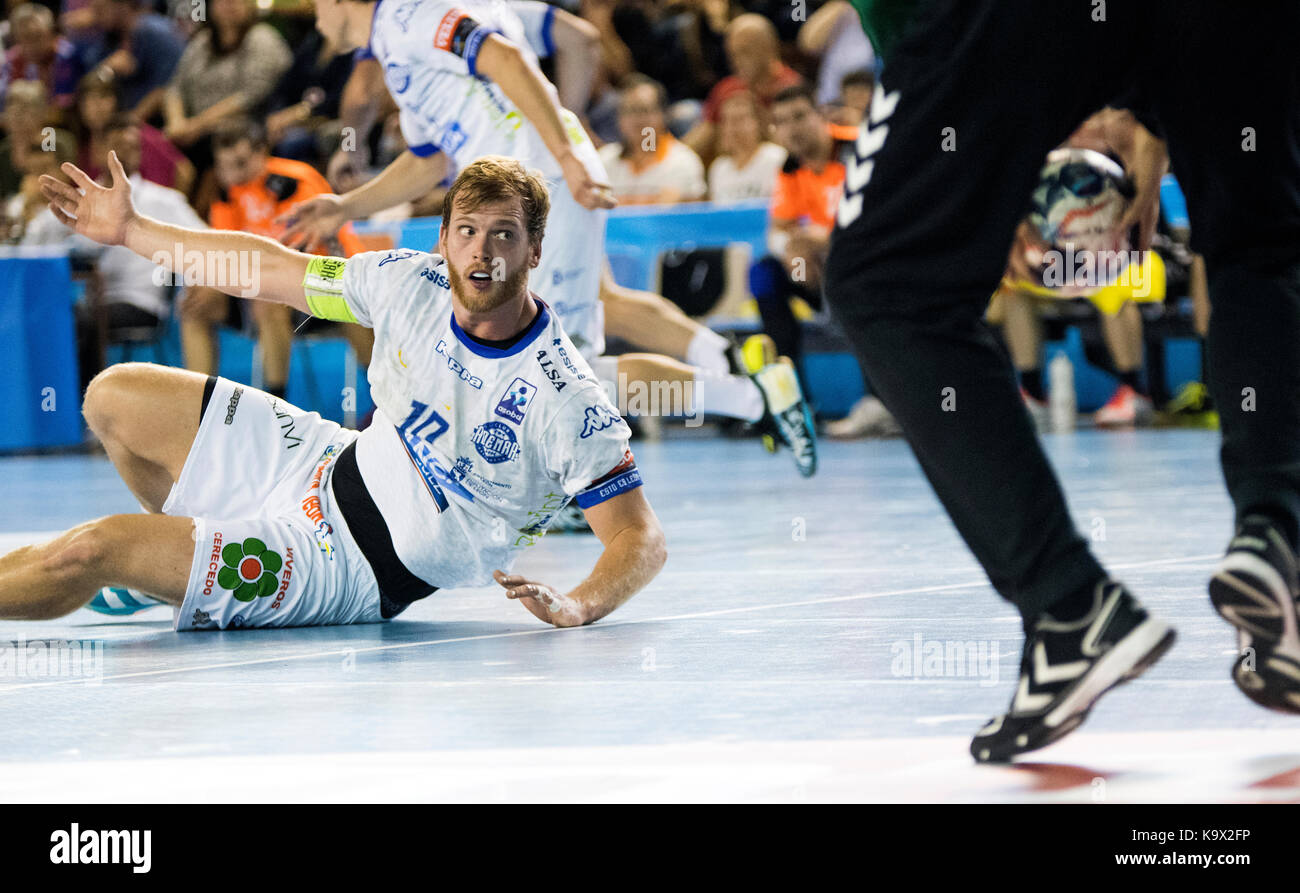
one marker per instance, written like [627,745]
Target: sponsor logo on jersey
[435,277]
[514,403]
[249,569]
[541,517]
[455,366]
[596,418]
[311,506]
[495,442]
[463,475]
[398,76]
[214,564]
[287,424]
[568,363]
[403,15]
[559,277]
[233,405]
[550,370]
[452,138]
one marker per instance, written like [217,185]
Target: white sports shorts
[270,547]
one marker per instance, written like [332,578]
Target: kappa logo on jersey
[514,404]
[871,136]
[401,254]
[495,442]
[551,371]
[596,418]
[455,366]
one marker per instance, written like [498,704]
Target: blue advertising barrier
[39,389]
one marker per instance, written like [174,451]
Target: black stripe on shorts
[398,587]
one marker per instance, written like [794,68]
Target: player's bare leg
[275,340]
[657,325]
[201,312]
[146,416]
[147,552]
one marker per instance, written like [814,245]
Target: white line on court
[337,652]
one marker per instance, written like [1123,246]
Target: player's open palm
[312,221]
[541,600]
[96,212]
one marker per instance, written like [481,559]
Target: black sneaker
[1255,589]
[1067,666]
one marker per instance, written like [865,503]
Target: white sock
[708,351]
[730,395]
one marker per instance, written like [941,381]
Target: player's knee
[83,556]
[107,395]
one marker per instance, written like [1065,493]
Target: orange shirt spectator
[252,206]
[810,196]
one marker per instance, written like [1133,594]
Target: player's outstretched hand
[94,211]
[312,221]
[544,602]
[585,190]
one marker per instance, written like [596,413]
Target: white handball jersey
[429,53]
[473,449]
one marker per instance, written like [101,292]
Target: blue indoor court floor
[789,651]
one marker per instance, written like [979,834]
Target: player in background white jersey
[466,80]
[259,514]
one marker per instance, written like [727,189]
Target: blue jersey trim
[548,37]
[472,47]
[543,319]
[424,150]
[598,493]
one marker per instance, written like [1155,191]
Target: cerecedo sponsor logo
[214,564]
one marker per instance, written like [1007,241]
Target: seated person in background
[808,189]
[133,296]
[851,107]
[647,165]
[255,188]
[29,149]
[1020,300]
[754,52]
[97,105]
[228,70]
[38,53]
[305,104]
[747,165]
[138,49]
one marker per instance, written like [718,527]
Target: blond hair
[495,178]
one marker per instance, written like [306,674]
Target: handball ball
[1080,197]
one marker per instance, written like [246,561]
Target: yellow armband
[323,289]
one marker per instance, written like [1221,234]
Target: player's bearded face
[468,284]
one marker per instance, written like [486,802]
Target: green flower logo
[250,569]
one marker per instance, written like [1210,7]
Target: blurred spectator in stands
[647,165]
[139,49]
[678,44]
[304,106]
[255,188]
[747,165]
[96,106]
[39,54]
[228,70]
[31,147]
[808,189]
[833,35]
[131,293]
[754,53]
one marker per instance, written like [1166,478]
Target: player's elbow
[653,548]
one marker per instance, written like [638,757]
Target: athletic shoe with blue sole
[1255,589]
[1067,666]
[117,601]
